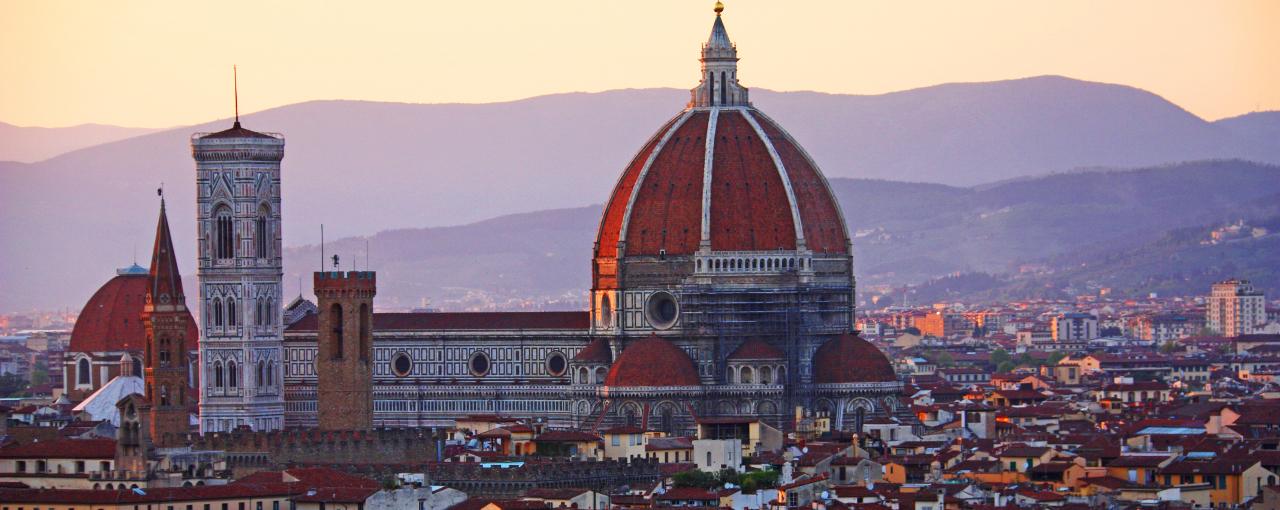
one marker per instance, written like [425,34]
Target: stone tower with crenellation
[344,356]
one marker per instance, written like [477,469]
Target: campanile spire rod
[235,90]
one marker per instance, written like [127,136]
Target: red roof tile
[755,348]
[111,321]
[652,362]
[595,352]
[62,449]
[850,359]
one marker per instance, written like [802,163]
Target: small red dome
[595,352]
[112,319]
[756,348]
[850,359]
[652,362]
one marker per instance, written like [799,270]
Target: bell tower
[240,270]
[164,316]
[344,354]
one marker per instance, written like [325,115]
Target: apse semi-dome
[719,177]
[850,359]
[652,362]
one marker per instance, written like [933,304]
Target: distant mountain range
[31,144]
[363,167]
[905,233]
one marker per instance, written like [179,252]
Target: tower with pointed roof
[240,271]
[164,317]
[719,85]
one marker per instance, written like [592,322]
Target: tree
[39,374]
[999,357]
[1055,358]
[1168,347]
[11,385]
[694,478]
[940,358]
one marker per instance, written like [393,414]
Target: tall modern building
[1070,327]
[1235,308]
[238,218]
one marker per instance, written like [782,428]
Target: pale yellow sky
[165,63]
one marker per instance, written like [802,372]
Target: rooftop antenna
[322,247]
[235,88]
[366,254]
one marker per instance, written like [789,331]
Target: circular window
[401,364]
[479,364]
[662,310]
[556,364]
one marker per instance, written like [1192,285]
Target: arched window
[711,88]
[335,322]
[164,395]
[233,375]
[217,313]
[766,375]
[724,90]
[365,332]
[261,240]
[82,372]
[271,375]
[223,234]
[745,375]
[218,381]
[262,371]
[231,312]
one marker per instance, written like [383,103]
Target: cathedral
[722,287]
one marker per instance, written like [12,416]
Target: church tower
[164,316]
[344,357]
[238,215]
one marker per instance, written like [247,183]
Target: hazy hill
[31,144]
[911,233]
[361,167]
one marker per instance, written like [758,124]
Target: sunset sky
[159,64]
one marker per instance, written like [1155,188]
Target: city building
[1235,308]
[1069,327]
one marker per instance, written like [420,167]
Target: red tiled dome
[595,352]
[850,359]
[755,198]
[112,319]
[652,362]
[756,348]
